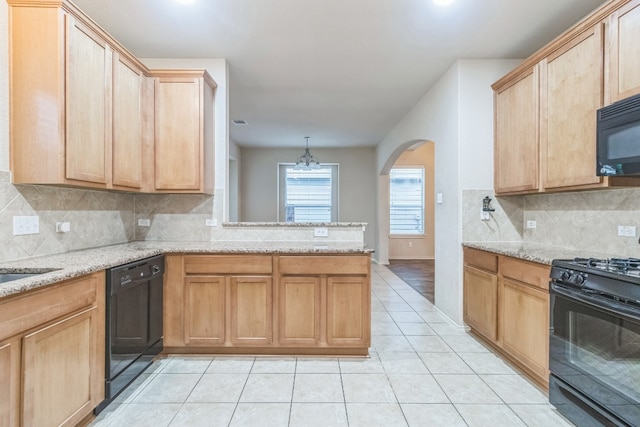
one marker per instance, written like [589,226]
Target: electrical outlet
[439,198]
[26,225]
[211,222]
[484,215]
[531,224]
[144,222]
[410,244]
[321,232]
[627,230]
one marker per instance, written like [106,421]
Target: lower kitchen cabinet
[480,299]
[506,304]
[271,304]
[56,358]
[525,326]
[10,383]
[204,310]
[348,311]
[251,310]
[300,306]
[52,353]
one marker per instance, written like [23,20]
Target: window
[406,201]
[308,195]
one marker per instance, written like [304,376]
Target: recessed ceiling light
[443,2]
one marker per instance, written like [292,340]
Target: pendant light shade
[307,161]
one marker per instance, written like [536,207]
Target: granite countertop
[533,252]
[294,224]
[59,267]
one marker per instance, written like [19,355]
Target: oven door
[595,356]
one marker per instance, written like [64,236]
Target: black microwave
[618,138]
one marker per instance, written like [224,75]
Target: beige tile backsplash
[580,220]
[100,218]
[97,218]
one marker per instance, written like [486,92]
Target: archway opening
[407,215]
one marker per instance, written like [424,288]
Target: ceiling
[343,72]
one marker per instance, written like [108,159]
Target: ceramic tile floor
[422,371]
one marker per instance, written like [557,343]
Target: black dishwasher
[133,322]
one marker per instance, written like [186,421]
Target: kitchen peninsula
[257,288]
[263,288]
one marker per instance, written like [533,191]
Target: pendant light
[307,161]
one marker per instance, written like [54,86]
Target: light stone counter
[77,263]
[534,252]
[294,224]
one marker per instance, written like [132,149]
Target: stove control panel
[570,277]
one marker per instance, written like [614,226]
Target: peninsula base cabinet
[52,354]
[508,308]
[268,304]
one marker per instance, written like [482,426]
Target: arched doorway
[406,219]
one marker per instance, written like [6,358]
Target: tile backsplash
[100,218]
[579,220]
[97,218]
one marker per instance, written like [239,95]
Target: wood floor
[417,273]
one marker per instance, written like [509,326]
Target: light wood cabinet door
[10,383]
[128,122]
[299,310]
[571,92]
[251,310]
[481,301]
[524,328]
[516,135]
[88,104]
[204,310]
[178,139]
[59,362]
[348,312]
[624,52]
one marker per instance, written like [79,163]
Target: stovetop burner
[625,266]
[614,277]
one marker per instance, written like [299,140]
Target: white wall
[234,181]
[357,177]
[457,114]
[219,70]
[4,86]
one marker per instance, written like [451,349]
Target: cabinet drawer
[526,272]
[338,264]
[25,312]
[227,264]
[481,259]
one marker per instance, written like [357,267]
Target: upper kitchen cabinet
[85,112]
[570,93]
[71,103]
[132,137]
[545,109]
[184,131]
[624,52]
[516,133]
